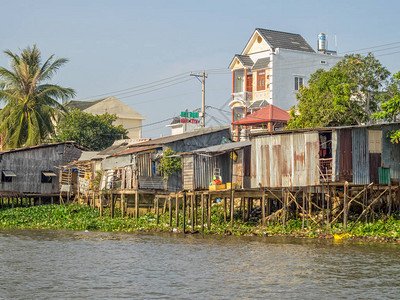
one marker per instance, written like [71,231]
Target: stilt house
[35,170]
[299,158]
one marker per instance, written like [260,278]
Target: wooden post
[209,199]
[268,206]
[136,204]
[12,202]
[248,209]
[345,206]
[263,209]
[184,212]
[195,210]
[302,210]
[328,208]
[192,210]
[122,206]
[309,207]
[170,211]
[225,209]
[322,203]
[177,210]
[365,201]
[243,208]
[390,200]
[112,205]
[202,212]
[284,194]
[101,204]
[156,208]
[232,205]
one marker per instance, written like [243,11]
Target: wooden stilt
[202,212]
[170,211]
[263,209]
[184,213]
[302,210]
[195,210]
[284,193]
[322,203]
[12,202]
[101,204]
[177,210]
[345,206]
[232,205]
[209,199]
[328,208]
[112,205]
[225,209]
[122,205]
[192,210]
[390,200]
[243,202]
[136,204]
[248,209]
[156,208]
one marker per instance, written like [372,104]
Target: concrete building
[271,69]
[130,119]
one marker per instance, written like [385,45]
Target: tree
[344,95]
[390,109]
[95,132]
[31,104]
[169,164]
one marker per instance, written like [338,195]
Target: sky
[143,52]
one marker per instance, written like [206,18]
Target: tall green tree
[94,132]
[31,104]
[345,95]
[390,109]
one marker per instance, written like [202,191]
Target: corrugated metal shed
[391,152]
[285,160]
[360,156]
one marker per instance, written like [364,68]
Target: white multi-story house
[271,69]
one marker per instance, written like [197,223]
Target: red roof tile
[268,113]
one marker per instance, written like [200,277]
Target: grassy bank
[80,217]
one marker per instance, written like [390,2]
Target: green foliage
[169,165]
[390,109]
[31,104]
[344,95]
[95,132]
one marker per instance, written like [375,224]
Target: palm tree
[31,107]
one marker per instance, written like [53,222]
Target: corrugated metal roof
[42,146]
[287,131]
[135,150]
[285,40]
[87,155]
[266,114]
[182,136]
[223,147]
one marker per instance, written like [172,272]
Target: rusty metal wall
[187,172]
[285,160]
[360,156]
[335,156]
[345,156]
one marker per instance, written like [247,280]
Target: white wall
[286,64]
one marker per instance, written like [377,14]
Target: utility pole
[203,96]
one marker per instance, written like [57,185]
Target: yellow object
[217,187]
[228,185]
[341,236]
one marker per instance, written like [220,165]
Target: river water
[41,264]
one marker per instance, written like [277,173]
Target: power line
[383,45]
[138,86]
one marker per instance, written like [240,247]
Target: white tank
[322,42]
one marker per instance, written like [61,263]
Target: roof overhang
[9,174]
[49,174]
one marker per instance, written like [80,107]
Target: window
[298,82]
[47,176]
[7,176]
[260,80]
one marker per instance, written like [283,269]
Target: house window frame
[261,80]
[47,179]
[298,81]
[5,178]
